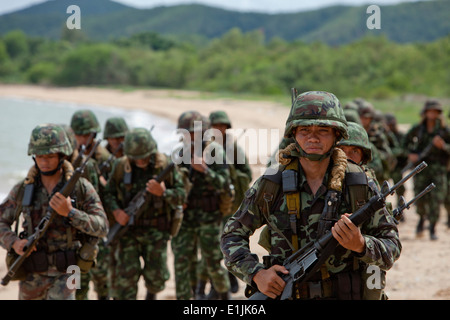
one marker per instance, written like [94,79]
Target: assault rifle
[402,205]
[422,156]
[135,208]
[83,148]
[43,225]
[107,163]
[305,262]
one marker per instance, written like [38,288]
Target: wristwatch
[71,213]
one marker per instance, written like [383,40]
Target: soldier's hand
[60,204]
[18,246]
[269,282]
[438,142]
[121,217]
[156,188]
[348,234]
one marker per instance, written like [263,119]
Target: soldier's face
[142,163]
[315,139]
[353,153]
[47,162]
[221,127]
[432,114]
[115,142]
[82,139]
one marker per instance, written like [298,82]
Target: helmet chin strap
[314,156]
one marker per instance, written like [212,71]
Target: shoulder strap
[293,204]
[357,186]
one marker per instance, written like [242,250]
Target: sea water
[18,117]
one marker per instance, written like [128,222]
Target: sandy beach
[422,271]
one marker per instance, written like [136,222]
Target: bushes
[373,67]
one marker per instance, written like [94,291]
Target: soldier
[358,148]
[85,125]
[429,141]
[148,237]
[78,216]
[202,223]
[115,130]
[377,136]
[395,138]
[317,122]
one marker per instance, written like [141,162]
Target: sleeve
[7,218]
[90,217]
[383,246]
[110,190]
[175,194]
[235,243]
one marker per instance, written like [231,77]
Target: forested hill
[422,21]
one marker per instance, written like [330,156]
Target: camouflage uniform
[117,128]
[202,223]
[85,122]
[148,237]
[416,140]
[380,233]
[395,138]
[64,234]
[377,136]
[241,172]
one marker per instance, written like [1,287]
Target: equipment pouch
[36,262]
[87,254]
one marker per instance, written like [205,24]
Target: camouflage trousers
[149,244]
[46,287]
[98,275]
[191,237]
[429,205]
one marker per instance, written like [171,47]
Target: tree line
[237,62]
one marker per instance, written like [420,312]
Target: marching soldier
[429,141]
[78,216]
[147,238]
[309,168]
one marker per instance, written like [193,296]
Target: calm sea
[18,117]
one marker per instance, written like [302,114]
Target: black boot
[234,285]
[213,294]
[200,290]
[150,296]
[433,235]
[419,229]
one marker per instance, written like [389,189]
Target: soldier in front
[294,205]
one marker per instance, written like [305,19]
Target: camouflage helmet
[365,108]
[318,108]
[220,117]
[115,128]
[84,122]
[358,137]
[70,135]
[187,121]
[351,115]
[139,144]
[47,139]
[432,104]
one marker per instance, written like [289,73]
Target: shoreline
[422,269]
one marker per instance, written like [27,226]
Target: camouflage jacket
[206,187]
[380,232]
[117,194]
[417,139]
[89,216]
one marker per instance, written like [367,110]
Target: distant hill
[105,20]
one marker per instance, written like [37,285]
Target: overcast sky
[267,6]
